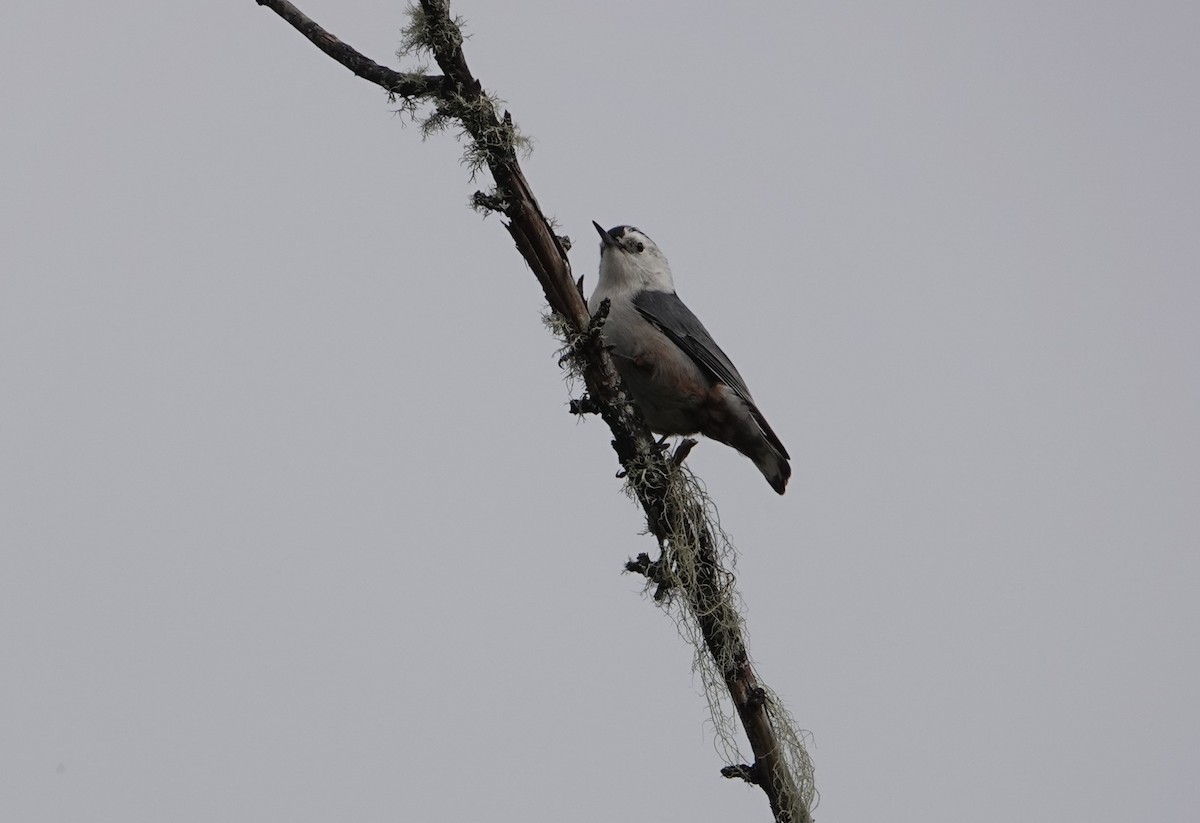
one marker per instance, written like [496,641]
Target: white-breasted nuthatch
[678,376]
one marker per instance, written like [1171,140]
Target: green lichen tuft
[427,34]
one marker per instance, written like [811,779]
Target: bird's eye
[640,247]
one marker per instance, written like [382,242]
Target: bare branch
[394,82]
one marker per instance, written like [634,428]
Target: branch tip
[640,565]
[485,202]
[742,772]
[584,405]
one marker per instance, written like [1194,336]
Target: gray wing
[669,315]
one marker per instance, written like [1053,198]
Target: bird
[673,369]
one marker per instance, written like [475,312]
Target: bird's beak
[605,237]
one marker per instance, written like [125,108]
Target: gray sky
[295,523]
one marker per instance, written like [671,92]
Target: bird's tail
[768,452]
[740,424]
[773,465]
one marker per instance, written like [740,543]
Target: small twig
[640,565]
[598,319]
[747,773]
[482,201]
[584,405]
[655,572]
[579,347]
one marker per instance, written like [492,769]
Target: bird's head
[630,259]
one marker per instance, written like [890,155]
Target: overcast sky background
[295,524]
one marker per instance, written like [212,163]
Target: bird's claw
[683,450]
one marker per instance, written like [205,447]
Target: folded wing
[674,319]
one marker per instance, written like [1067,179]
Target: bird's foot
[683,450]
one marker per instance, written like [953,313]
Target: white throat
[625,273]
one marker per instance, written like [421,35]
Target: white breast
[667,385]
